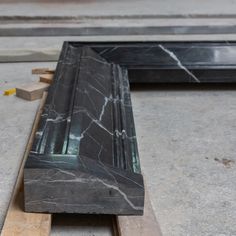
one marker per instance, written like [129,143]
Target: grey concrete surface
[116,8]
[187,141]
[142,25]
[185,18]
[186,138]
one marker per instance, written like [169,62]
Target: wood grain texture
[18,222]
[39,71]
[31,91]
[145,225]
[46,78]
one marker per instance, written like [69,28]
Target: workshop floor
[186,138]
[187,147]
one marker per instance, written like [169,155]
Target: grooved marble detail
[84,158]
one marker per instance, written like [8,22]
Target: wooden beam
[139,225]
[46,78]
[39,71]
[18,222]
[31,91]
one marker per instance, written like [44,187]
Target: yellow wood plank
[18,222]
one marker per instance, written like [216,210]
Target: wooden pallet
[20,223]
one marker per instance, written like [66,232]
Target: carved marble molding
[84,158]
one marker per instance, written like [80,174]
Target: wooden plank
[39,71]
[31,91]
[139,225]
[18,222]
[46,78]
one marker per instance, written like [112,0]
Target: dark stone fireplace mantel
[84,158]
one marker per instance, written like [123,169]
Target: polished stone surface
[172,62]
[169,109]
[86,139]
[84,158]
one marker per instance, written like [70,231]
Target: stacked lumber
[35,90]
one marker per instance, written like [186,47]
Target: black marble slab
[84,158]
[171,62]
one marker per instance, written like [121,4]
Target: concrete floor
[186,138]
[117,8]
[187,148]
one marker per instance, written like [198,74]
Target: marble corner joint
[84,158]
[171,62]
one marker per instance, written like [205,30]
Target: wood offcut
[39,71]
[31,91]
[46,78]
